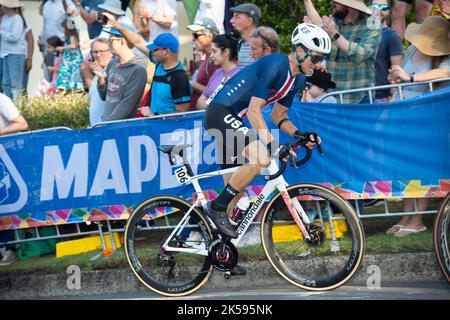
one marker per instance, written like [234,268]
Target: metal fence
[104,228]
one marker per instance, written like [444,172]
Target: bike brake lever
[292,160]
[319,148]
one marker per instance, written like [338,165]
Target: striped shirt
[355,69]
[244,57]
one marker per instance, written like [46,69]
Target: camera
[102,18]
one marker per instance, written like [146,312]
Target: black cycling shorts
[411,1]
[230,133]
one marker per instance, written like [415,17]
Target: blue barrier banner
[371,151]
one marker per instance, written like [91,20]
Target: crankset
[317,233]
[223,255]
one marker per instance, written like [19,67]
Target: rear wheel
[441,237]
[336,250]
[167,258]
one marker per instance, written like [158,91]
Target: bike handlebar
[302,141]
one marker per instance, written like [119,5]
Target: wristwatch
[336,36]
[411,77]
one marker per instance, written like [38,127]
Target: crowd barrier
[61,176]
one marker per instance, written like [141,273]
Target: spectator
[114,8]
[264,41]
[390,50]
[223,54]
[88,11]
[400,9]
[69,77]
[212,9]
[427,58]
[101,56]
[204,31]
[53,43]
[12,48]
[244,20]
[28,40]
[10,122]
[53,13]
[123,85]
[353,52]
[442,9]
[317,86]
[170,88]
[156,17]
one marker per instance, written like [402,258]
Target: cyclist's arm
[280,112]
[256,119]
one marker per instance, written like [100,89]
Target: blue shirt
[171,89]
[269,78]
[94,29]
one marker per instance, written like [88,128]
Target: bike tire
[441,237]
[169,273]
[311,268]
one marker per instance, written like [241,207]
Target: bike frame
[279,184]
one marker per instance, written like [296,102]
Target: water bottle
[240,210]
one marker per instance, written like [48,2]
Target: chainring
[223,255]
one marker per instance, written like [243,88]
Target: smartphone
[102,18]
[92,57]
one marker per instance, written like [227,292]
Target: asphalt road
[423,290]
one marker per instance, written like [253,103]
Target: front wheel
[441,237]
[166,241]
[334,254]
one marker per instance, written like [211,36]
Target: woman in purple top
[223,53]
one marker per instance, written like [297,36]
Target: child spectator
[53,43]
[317,86]
[224,54]
[69,77]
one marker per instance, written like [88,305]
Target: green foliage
[284,15]
[70,110]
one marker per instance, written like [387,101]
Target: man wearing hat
[354,48]
[317,86]
[203,32]
[171,91]
[113,8]
[122,85]
[244,20]
[12,48]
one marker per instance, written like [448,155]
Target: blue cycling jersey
[269,78]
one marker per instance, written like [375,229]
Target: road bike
[173,247]
[441,237]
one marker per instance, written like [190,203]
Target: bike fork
[295,215]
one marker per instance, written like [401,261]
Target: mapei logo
[13,190]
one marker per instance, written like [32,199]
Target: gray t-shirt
[8,111]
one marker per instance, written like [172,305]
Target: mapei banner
[371,151]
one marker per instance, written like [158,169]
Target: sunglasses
[258,33]
[315,58]
[382,7]
[198,35]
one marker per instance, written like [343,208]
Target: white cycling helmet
[312,37]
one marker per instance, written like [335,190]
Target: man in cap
[203,32]
[123,83]
[400,9]
[112,8]
[244,20]
[171,91]
[354,48]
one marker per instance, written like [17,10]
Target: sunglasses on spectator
[258,33]
[382,7]
[100,51]
[308,85]
[198,35]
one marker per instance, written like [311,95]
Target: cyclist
[274,78]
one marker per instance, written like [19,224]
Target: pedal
[227,275]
